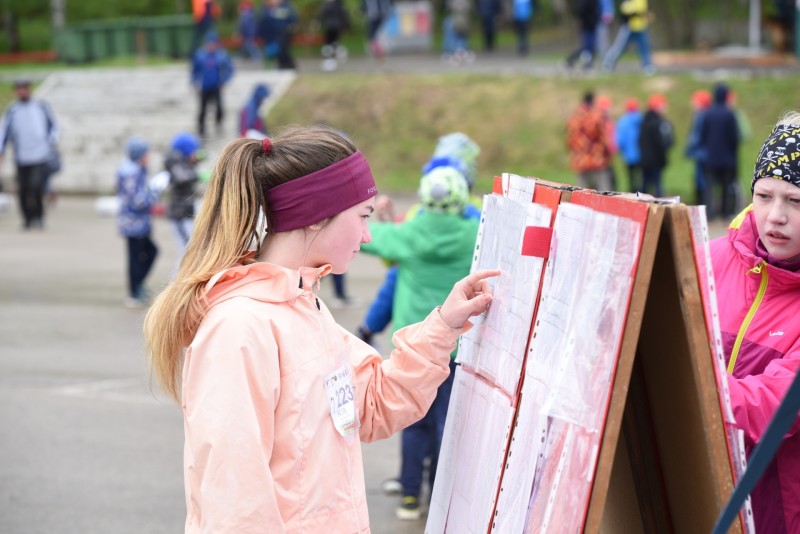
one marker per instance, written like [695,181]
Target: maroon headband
[321,194]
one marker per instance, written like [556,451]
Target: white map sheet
[471,458]
[491,354]
[571,360]
[495,346]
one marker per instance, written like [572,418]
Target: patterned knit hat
[779,156]
[443,190]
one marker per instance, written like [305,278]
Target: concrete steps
[98,109]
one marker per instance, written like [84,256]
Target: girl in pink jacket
[275,395]
[757,272]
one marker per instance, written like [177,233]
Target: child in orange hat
[655,139]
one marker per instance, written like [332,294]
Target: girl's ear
[315,227]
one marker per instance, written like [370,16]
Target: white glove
[159,182]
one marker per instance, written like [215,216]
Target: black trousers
[723,179]
[214,96]
[635,180]
[142,254]
[31,181]
[284,58]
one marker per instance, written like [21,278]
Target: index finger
[477,276]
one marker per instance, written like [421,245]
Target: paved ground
[87,446]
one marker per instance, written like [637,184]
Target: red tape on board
[536,241]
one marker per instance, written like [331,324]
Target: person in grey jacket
[30,125]
[181,164]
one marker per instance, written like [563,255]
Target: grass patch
[518,121]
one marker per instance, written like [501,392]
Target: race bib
[342,398]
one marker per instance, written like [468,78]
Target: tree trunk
[12,29]
[675,22]
[59,9]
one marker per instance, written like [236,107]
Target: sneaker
[135,304]
[409,509]
[5,202]
[392,486]
[329,64]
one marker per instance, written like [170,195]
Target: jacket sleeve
[394,393]
[231,386]
[5,130]
[226,68]
[756,398]
[244,120]
[196,70]
[390,241]
[693,139]
[667,135]
[53,132]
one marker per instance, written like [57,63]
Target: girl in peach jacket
[276,396]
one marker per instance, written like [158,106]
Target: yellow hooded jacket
[636,11]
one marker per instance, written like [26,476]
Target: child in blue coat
[136,199]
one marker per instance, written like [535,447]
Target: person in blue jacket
[587,14]
[211,70]
[604,27]
[249,118]
[627,138]
[276,28]
[523,12]
[720,138]
[136,198]
[488,11]
[246,28]
[695,151]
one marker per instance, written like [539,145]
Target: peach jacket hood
[261,451]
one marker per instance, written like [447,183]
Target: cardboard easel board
[677,449]
[659,461]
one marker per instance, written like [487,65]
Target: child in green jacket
[432,250]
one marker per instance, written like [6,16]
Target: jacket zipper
[761,269]
[314,286]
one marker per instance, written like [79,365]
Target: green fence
[169,36]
